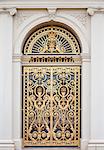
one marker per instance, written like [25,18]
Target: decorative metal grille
[51,106]
[51,88]
[52,40]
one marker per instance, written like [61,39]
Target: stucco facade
[17,19]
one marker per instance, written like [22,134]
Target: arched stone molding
[21,33]
[31,22]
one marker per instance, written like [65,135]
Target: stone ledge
[6,146]
[47,4]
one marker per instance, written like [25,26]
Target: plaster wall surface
[17,18]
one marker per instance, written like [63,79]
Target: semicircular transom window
[52,40]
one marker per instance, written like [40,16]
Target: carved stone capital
[92,11]
[52,12]
[11,11]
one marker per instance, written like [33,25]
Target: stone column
[6,28]
[97,79]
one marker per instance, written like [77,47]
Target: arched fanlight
[50,40]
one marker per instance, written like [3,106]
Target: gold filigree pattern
[51,59]
[52,40]
[51,88]
[51,106]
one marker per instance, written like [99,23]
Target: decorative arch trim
[24,29]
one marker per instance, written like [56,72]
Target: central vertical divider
[51,108]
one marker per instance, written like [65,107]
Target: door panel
[51,106]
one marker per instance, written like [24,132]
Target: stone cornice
[52,4]
[11,11]
[92,11]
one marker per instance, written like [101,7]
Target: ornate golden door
[51,88]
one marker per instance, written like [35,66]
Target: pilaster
[6,28]
[97,79]
[85,100]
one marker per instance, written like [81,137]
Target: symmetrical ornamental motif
[52,40]
[51,106]
[51,88]
[51,59]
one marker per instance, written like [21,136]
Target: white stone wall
[15,23]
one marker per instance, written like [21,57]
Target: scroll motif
[51,106]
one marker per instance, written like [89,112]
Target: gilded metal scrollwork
[51,104]
[52,39]
[51,88]
[37,106]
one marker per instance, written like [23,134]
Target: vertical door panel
[51,99]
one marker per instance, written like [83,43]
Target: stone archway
[78,28]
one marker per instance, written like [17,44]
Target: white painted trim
[84,144]
[85,57]
[18,143]
[51,4]
[16,58]
[96,141]
[30,23]
[96,144]
[7,145]
[6,141]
